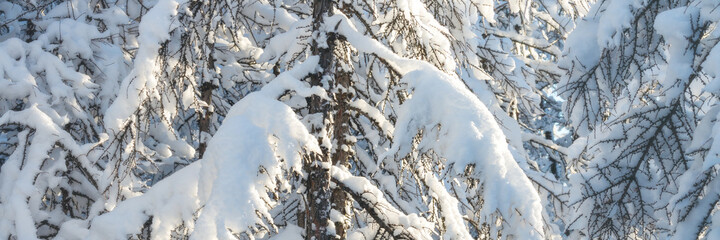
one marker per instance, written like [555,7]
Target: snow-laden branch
[142,81]
[545,142]
[259,134]
[541,44]
[33,168]
[373,114]
[372,200]
[171,203]
[459,128]
[259,144]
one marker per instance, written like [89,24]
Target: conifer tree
[176,119]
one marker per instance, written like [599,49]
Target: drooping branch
[372,200]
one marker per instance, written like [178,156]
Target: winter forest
[359,119]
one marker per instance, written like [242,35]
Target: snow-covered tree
[282,119]
[641,98]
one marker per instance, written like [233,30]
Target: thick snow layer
[676,28]
[287,44]
[487,9]
[688,227]
[260,140]
[457,126]
[170,202]
[461,130]
[26,172]
[610,26]
[264,134]
[154,29]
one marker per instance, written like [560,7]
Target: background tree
[640,98]
[408,118]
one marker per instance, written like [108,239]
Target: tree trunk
[205,118]
[204,121]
[318,193]
[335,125]
[341,129]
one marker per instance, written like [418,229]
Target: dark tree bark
[341,129]
[206,116]
[321,199]
[335,125]
[318,193]
[204,121]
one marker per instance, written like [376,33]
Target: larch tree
[177,119]
[641,96]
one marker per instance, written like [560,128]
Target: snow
[514,5]
[701,208]
[413,224]
[278,47]
[429,32]
[462,130]
[709,66]
[226,183]
[171,202]
[582,46]
[708,13]
[610,26]
[74,35]
[233,181]
[154,29]
[188,97]
[375,115]
[271,14]
[18,176]
[289,232]
[103,111]
[457,126]
[19,80]
[230,179]
[676,28]
[487,9]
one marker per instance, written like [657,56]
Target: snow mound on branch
[32,168]
[457,126]
[259,133]
[260,140]
[171,202]
[153,31]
